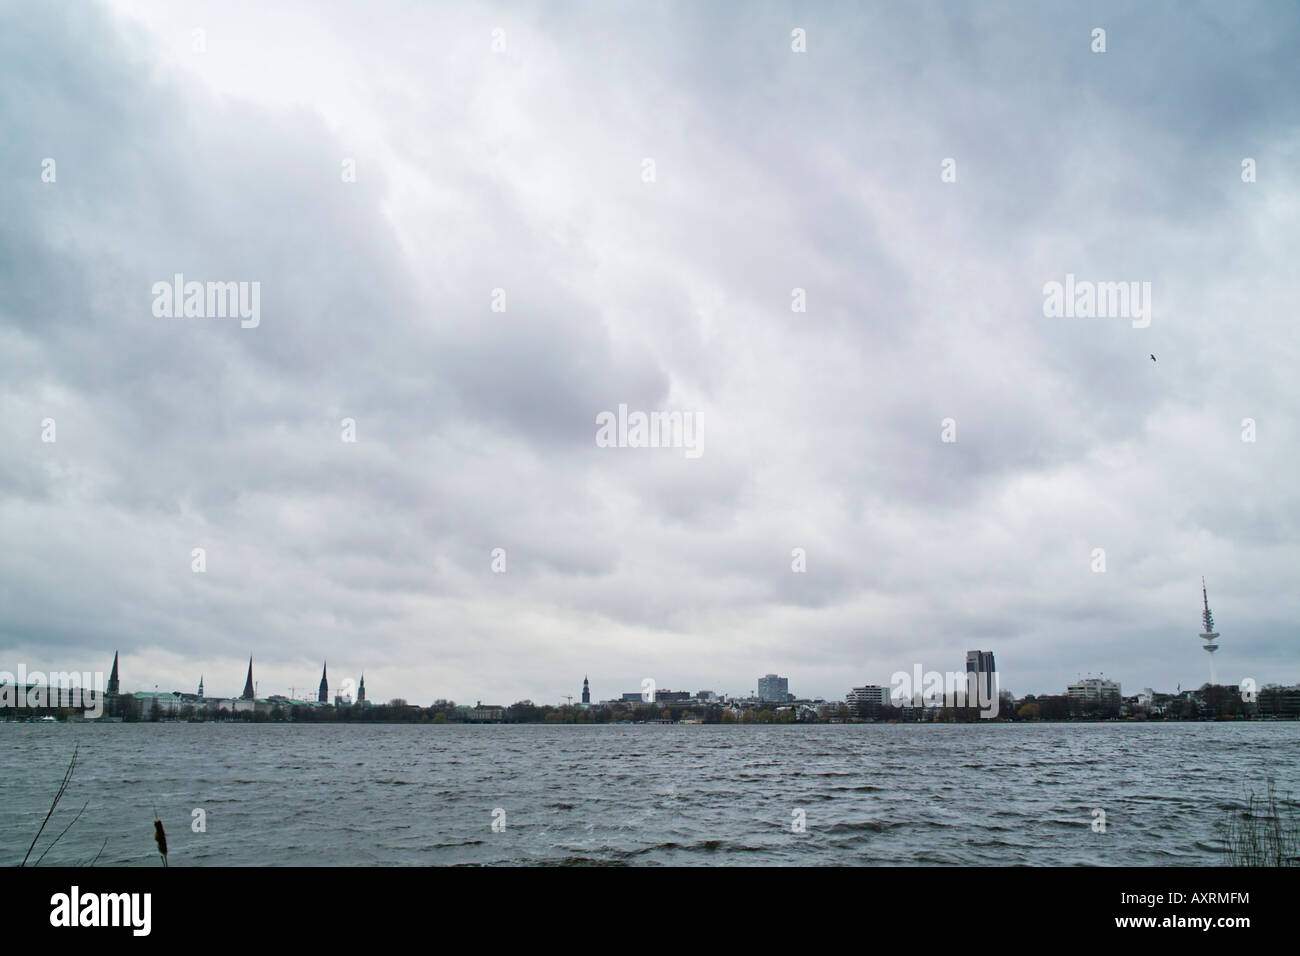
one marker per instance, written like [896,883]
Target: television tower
[1209,636]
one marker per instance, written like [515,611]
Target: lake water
[868,794]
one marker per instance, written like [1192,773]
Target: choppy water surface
[882,794]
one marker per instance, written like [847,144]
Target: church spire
[112,678]
[323,695]
[248,693]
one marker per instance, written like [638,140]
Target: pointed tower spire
[200,685]
[248,693]
[323,695]
[361,691]
[112,687]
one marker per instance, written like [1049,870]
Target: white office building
[1094,689]
[870,695]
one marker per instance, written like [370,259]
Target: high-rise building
[249,692]
[586,691]
[323,694]
[112,678]
[774,689]
[981,678]
[1209,636]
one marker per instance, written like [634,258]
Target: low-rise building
[868,697]
[1276,700]
[482,713]
[1094,689]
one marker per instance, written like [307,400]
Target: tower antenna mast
[1209,635]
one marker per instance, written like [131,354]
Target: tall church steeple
[586,691]
[323,696]
[200,685]
[112,687]
[248,693]
[361,691]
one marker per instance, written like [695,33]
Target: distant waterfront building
[1209,636]
[1095,690]
[484,713]
[361,692]
[1276,700]
[773,689]
[981,678]
[662,696]
[200,685]
[249,692]
[323,694]
[157,704]
[871,697]
[586,691]
[112,687]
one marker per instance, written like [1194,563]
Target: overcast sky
[524,169]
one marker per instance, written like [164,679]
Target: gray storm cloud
[523,170]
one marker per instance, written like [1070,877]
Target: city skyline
[979,665]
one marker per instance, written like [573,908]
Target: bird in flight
[1153,358]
